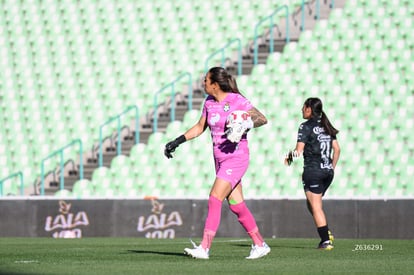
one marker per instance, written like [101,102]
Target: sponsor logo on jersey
[318,130]
[214,119]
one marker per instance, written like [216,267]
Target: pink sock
[212,221]
[256,237]
[247,220]
[208,237]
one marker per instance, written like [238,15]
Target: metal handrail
[118,119]
[302,15]
[223,58]
[172,86]
[318,8]
[60,152]
[20,174]
[270,17]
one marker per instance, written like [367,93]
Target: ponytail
[233,84]
[327,125]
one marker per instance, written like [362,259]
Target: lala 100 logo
[159,225]
[66,224]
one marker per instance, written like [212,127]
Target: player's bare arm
[258,118]
[197,129]
[300,146]
[336,152]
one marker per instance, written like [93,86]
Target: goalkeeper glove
[172,145]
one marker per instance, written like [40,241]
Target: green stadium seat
[191,118]
[156,143]
[63,193]
[10,187]
[127,186]
[408,172]
[102,181]
[82,188]
[121,171]
[174,129]
[136,151]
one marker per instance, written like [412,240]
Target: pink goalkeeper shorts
[232,168]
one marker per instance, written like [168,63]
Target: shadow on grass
[158,253]
[278,246]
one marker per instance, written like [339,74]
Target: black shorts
[317,181]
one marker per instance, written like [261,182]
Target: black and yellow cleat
[326,245]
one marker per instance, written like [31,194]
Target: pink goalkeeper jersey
[216,114]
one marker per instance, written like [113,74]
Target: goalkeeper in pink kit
[231,156]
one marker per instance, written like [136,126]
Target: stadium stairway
[313,11]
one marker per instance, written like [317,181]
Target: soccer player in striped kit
[320,149]
[231,156]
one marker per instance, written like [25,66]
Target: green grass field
[227,256]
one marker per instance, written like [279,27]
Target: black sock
[323,233]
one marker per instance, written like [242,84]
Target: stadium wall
[391,219]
